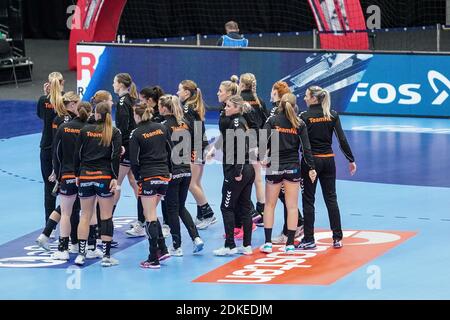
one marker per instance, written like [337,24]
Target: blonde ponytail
[56,97]
[133,91]
[143,111]
[323,97]
[196,97]
[287,106]
[326,104]
[172,103]
[105,112]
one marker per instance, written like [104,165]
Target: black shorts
[67,186]
[153,186]
[278,176]
[95,186]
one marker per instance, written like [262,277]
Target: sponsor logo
[21,253]
[321,266]
[405,94]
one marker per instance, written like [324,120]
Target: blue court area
[402,185]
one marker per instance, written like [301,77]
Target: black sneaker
[306,245]
[150,264]
[163,254]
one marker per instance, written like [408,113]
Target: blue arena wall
[360,83]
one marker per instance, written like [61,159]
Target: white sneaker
[289,249]
[224,251]
[133,224]
[136,231]
[280,239]
[205,223]
[176,252]
[42,241]
[198,245]
[53,234]
[73,248]
[94,254]
[80,259]
[246,250]
[266,248]
[109,262]
[165,230]
[61,255]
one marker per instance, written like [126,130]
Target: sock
[151,228]
[268,234]
[260,208]
[63,244]
[207,211]
[106,248]
[290,237]
[199,213]
[82,247]
[92,239]
[161,241]
[49,227]
[140,211]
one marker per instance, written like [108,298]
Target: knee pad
[58,209]
[107,227]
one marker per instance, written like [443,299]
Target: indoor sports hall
[389,82]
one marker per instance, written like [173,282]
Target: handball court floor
[395,214]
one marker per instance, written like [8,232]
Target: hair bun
[234,78]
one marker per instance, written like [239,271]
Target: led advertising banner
[360,83]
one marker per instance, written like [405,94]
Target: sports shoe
[134,223]
[61,255]
[80,259]
[163,255]
[42,241]
[136,231]
[205,223]
[198,245]
[178,252]
[109,261]
[236,232]
[257,218]
[150,264]
[165,230]
[259,221]
[290,249]
[73,248]
[239,235]
[299,232]
[225,251]
[266,247]
[114,244]
[306,245]
[94,254]
[337,244]
[280,239]
[245,250]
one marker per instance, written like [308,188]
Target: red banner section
[94,20]
[321,266]
[340,23]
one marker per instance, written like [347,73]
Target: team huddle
[159,144]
